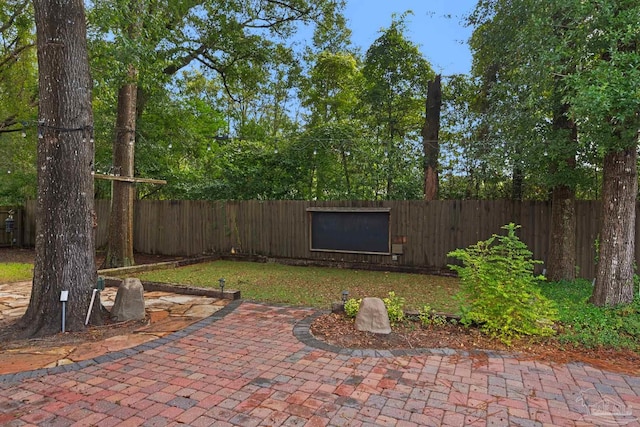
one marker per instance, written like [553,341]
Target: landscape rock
[129,303]
[373,316]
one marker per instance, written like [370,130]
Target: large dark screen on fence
[350,230]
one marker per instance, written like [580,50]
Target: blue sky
[435,27]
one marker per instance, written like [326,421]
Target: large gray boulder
[129,303]
[373,317]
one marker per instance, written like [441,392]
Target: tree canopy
[213,80]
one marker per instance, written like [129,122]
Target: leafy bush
[394,305]
[499,288]
[351,307]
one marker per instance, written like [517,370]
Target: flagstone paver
[257,365]
[167,313]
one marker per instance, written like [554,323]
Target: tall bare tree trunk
[120,237]
[561,264]
[430,138]
[614,276]
[65,246]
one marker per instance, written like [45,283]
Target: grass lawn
[313,286]
[15,272]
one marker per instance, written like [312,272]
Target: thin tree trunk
[65,245]
[390,153]
[346,173]
[517,183]
[120,240]
[120,236]
[614,277]
[561,264]
[430,138]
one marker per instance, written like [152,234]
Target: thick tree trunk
[614,276]
[120,237]
[430,139]
[65,247]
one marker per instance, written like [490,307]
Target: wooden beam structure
[129,179]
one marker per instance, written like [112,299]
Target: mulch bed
[339,330]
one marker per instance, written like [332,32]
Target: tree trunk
[561,264]
[614,276]
[430,139]
[120,237]
[65,246]
[345,168]
[517,183]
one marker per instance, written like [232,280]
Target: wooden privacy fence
[421,233]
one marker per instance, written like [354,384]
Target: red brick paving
[249,369]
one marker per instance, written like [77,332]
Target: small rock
[373,316]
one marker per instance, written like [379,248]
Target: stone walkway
[167,312]
[257,365]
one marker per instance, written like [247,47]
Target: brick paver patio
[257,365]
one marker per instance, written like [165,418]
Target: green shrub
[499,289]
[351,307]
[394,305]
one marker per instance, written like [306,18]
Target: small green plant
[424,315]
[438,319]
[428,317]
[351,307]
[499,290]
[394,305]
